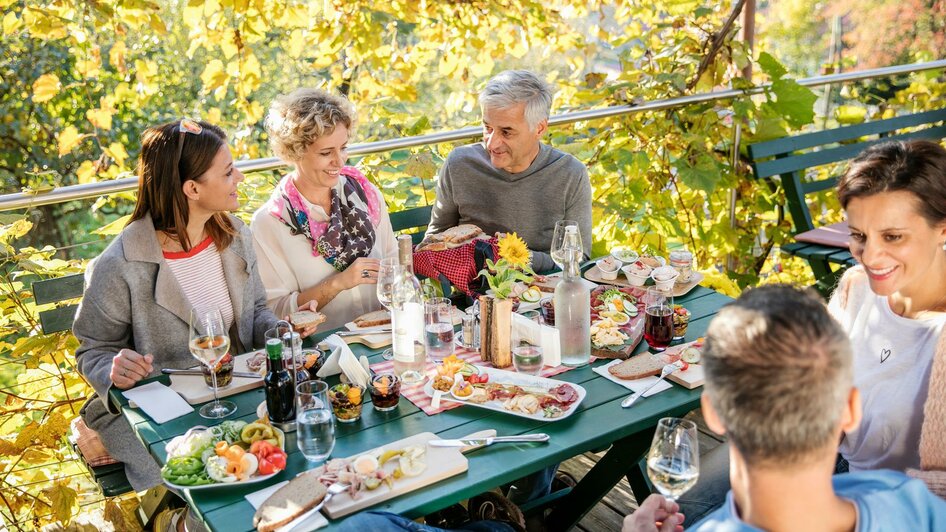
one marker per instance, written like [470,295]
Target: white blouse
[287,266]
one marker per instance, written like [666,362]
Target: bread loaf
[373,319]
[300,495]
[637,367]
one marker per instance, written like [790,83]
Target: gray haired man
[512,182]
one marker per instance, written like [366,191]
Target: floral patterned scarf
[349,232]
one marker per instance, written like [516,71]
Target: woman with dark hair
[181,247]
[893,306]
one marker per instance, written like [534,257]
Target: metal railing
[92,190]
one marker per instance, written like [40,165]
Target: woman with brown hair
[181,248]
[893,306]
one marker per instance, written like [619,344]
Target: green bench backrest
[418,217]
[53,291]
[791,157]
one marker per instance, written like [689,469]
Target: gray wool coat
[132,300]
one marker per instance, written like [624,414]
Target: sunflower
[513,250]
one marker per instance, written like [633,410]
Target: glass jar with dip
[682,261]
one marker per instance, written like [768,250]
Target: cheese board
[440,463]
[679,289]
[617,321]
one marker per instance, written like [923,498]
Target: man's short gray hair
[512,87]
[778,373]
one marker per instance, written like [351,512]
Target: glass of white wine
[673,463]
[560,242]
[209,343]
[388,273]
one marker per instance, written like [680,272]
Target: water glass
[438,328]
[314,421]
[658,319]
[673,462]
[527,359]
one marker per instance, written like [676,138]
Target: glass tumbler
[315,424]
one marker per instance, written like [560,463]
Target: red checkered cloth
[415,392]
[458,265]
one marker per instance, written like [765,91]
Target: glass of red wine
[658,319]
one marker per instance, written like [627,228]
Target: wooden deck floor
[608,515]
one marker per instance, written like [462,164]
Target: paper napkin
[161,403]
[635,386]
[257,498]
[342,360]
[543,336]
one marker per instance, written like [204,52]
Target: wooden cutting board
[442,463]
[693,377]
[195,391]
[594,274]
[372,341]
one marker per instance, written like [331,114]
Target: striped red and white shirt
[200,274]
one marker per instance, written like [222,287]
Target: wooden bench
[792,158]
[111,477]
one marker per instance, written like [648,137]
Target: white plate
[519,379]
[252,480]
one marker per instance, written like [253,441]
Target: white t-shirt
[892,360]
[287,266]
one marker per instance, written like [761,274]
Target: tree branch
[718,39]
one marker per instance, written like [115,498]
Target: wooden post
[495,331]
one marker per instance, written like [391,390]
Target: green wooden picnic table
[599,422]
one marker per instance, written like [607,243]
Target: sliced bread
[300,495]
[373,319]
[304,319]
[637,367]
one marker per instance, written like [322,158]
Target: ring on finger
[365,274]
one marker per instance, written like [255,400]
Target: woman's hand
[362,271]
[312,305]
[129,367]
[656,514]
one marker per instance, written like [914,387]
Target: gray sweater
[554,187]
[132,300]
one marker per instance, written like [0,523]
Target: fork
[667,370]
[333,490]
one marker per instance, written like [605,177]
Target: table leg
[623,457]
[638,481]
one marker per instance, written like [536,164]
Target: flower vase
[495,331]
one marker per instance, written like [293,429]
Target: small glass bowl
[347,401]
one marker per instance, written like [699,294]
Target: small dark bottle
[280,397]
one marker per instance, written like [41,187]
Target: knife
[473,442]
[240,374]
[364,332]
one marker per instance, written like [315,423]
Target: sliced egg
[365,464]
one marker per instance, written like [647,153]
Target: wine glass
[209,343]
[560,242]
[388,273]
[673,462]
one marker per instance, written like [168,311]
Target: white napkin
[341,360]
[161,403]
[635,386]
[543,336]
[257,498]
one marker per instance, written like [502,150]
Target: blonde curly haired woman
[323,231]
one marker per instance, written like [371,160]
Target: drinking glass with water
[673,463]
[314,421]
[527,359]
[438,328]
